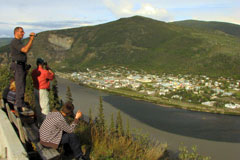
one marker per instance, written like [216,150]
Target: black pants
[20,80]
[73,141]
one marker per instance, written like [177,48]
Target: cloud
[150,11]
[5,36]
[6,28]
[220,19]
[125,8]
[56,24]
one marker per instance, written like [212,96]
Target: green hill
[140,43]
[5,41]
[229,28]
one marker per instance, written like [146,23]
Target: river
[215,135]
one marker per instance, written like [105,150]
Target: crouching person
[55,130]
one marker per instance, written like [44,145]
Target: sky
[42,15]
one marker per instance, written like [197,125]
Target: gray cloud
[59,24]
[6,29]
[1,23]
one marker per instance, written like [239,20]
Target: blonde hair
[12,86]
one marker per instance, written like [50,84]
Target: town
[195,89]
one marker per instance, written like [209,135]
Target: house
[150,92]
[209,103]
[176,97]
[162,93]
[232,105]
[227,94]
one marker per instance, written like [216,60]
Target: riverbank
[168,102]
[215,135]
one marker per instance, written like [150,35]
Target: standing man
[18,66]
[41,81]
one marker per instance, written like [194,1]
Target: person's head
[19,32]
[67,109]
[13,86]
[39,61]
[12,79]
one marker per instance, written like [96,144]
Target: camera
[45,65]
[28,66]
[34,35]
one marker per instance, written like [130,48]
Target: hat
[40,61]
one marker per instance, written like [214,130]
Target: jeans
[73,141]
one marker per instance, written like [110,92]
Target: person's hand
[48,68]
[78,114]
[32,35]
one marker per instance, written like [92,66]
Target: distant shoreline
[170,103]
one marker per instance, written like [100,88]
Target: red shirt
[41,78]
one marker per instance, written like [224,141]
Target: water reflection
[187,123]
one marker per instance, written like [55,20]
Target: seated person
[9,95]
[55,130]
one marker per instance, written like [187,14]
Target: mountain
[229,28]
[139,43]
[5,41]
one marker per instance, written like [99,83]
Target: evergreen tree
[69,95]
[128,129]
[119,125]
[90,117]
[101,121]
[112,128]
[53,96]
[5,75]
[29,92]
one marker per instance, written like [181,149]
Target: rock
[61,42]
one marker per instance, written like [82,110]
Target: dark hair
[68,108]
[16,29]
[39,61]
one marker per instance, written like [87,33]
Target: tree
[90,117]
[128,129]
[53,96]
[29,92]
[101,120]
[112,127]
[5,75]
[119,125]
[69,95]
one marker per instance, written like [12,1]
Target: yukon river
[215,135]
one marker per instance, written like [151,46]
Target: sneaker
[25,109]
[26,112]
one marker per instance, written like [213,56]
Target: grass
[109,144]
[102,142]
[186,154]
